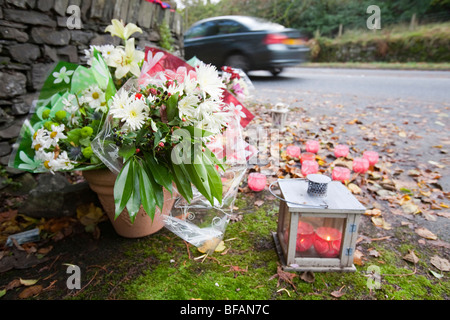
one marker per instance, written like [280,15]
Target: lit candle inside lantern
[257,181]
[340,174]
[360,165]
[312,146]
[307,156]
[305,236]
[341,150]
[371,156]
[327,242]
[309,167]
[293,151]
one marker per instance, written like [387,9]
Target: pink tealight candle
[327,242]
[307,156]
[312,146]
[360,165]
[309,167]
[256,181]
[340,174]
[341,150]
[293,152]
[371,156]
[305,236]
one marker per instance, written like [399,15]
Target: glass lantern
[317,233]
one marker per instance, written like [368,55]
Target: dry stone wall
[35,34]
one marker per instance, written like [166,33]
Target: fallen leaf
[381,223]
[411,257]
[357,258]
[308,276]
[13,284]
[354,188]
[337,294]
[425,233]
[213,244]
[437,275]
[373,212]
[30,291]
[259,203]
[440,263]
[410,208]
[27,282]
[374,253]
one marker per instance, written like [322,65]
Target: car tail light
[275,38]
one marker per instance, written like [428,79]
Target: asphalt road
[366,85]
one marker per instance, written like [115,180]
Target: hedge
[432,45]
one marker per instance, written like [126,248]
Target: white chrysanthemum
[214,122]
[55,162]
[209,81]
[95,97]
[41,140]
[135,114]
[57,133]
[190,85]
[43,156]
[120,102]
[187,108]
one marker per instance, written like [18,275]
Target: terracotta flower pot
[102,182]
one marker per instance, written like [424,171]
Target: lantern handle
[295,203]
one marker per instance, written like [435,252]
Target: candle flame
[328,238]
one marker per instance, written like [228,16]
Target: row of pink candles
[326,240]
[310,166]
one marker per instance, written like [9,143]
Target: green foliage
[166,41]
[424,44]
[324,15]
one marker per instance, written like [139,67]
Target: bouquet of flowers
[72,108]
[157,131]
[237,82]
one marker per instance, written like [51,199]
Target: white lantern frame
[339,206]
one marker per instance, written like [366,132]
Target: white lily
[117,28]
[127,61]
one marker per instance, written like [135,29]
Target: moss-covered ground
[164,267]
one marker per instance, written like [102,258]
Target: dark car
[247,43]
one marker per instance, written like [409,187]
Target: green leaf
[197,132]
[123,187]
[127,151]
[214,179]
[159,172]
[157,188]
[198,174]
[182,182]
[146,191]
[134,203]
[172,107]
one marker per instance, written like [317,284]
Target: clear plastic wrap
[197,221]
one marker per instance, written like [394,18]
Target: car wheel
[238,61]
[276,71]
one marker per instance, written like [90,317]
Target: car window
[230,26]
[206,29]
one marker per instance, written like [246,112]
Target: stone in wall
[34,36]
[13,84]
